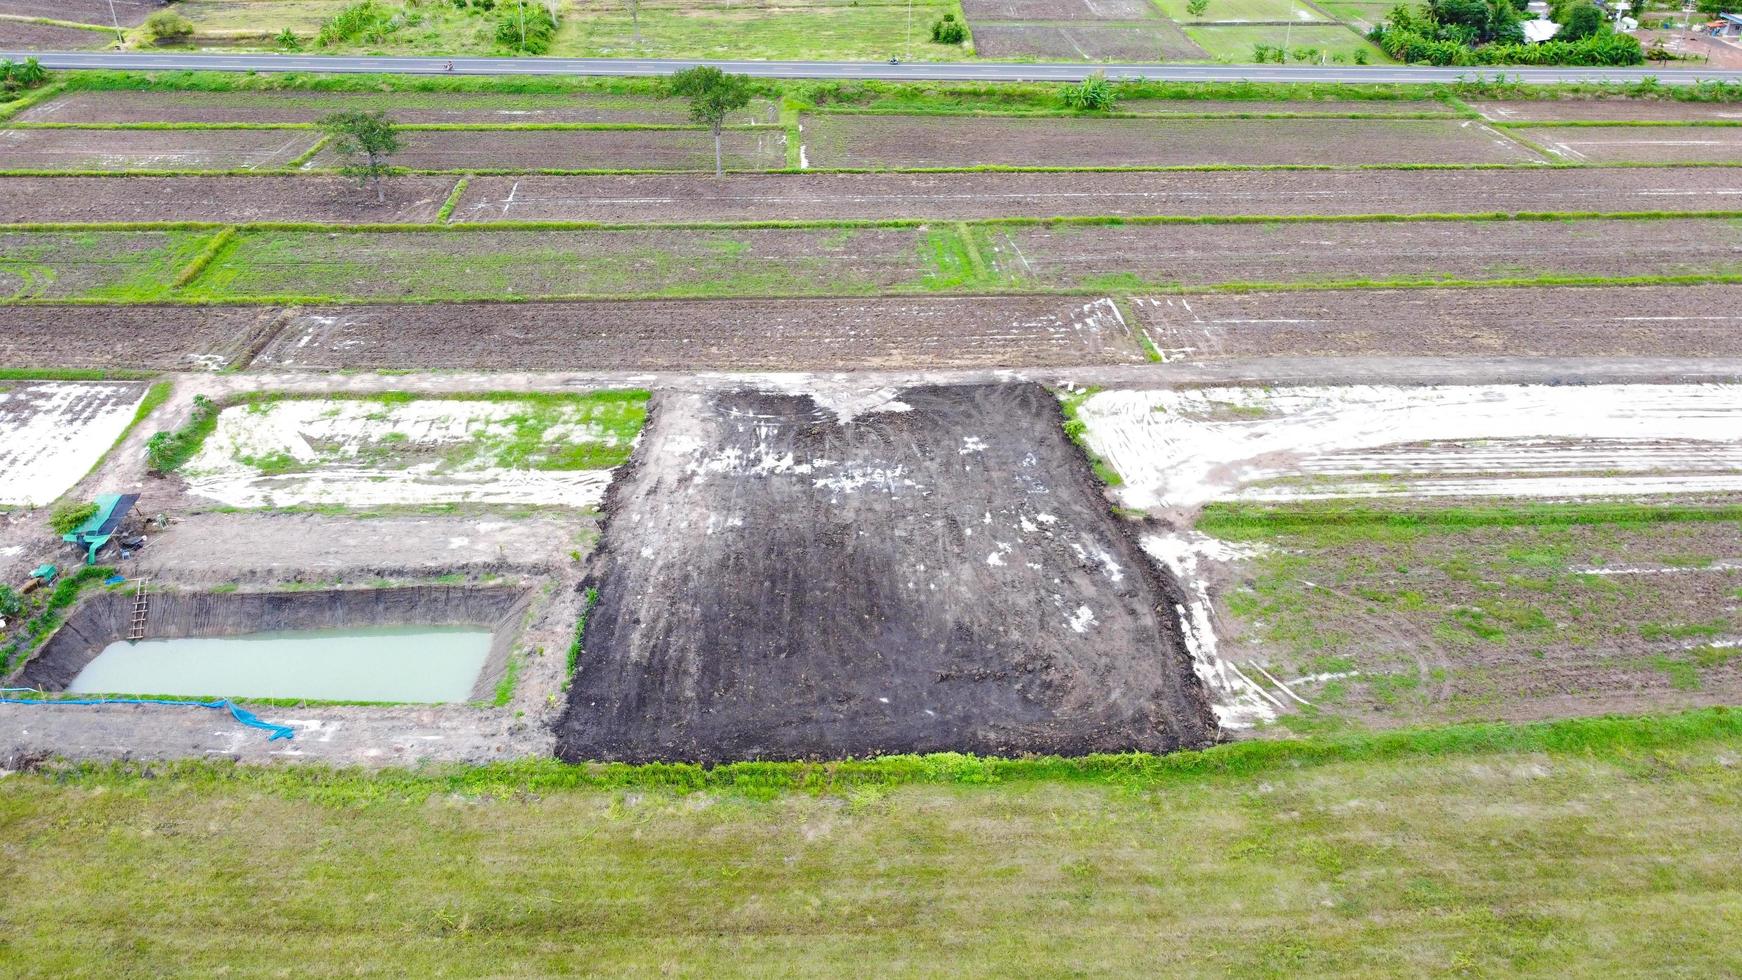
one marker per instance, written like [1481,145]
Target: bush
[15,76]
[1094,94]
[69,515]
[287,40]
[525,28]
[949,31]
[1197,7]
[11,603]
[167,451]
[167,25]
[369,21]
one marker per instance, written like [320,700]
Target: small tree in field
[1196,8]
[713,96]
[366,139]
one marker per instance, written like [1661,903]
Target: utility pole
[909,30]
[120,38]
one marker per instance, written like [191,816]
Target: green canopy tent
[92,535]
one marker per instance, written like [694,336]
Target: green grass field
[1592,849]
[126,265]
[1252,10]
[1235,44]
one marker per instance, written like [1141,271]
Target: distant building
[1540,30]
[1727,25]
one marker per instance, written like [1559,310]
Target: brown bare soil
[112,149]
[1601,110]
[404,107]
[711,335]
[583,150]
[1640,144]
[267,197]
[1632,321]
[1156,40]
[1094,256]
[1288,107]
[82,11]
[893,141]
[997,607]
[994,10]
[25,36]
[765,197]
[143,337]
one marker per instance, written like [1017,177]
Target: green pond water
[388,663]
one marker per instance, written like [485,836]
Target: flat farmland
[1287,107]
[121,150]
[137,337]
[725,31]
[918,142]
[81,11]
[1234,42]
[710,335]
[263,197]
[1114,256]
[824,196]
[1057,10]
[26,36]
[1607,110]
[1155,40]
[1640,144]
[583,150]
[403,107]
[474,264]
[1587,321]
[94,264]
[1239,11]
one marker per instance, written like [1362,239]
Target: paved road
[934,71]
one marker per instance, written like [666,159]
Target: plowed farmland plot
[180,338]
[52,433]
[889,141]
[263,197]
[488,264]
[1632,321]
[1604,110]
[758,197]
[404,107]
[81,11]
[1060,10]
[1110,256]
[1287,107]
[1640,144]
[997,607]
[115,149]
[583,150]
[94,264]
[1091,41]
[18,35]
[711,335]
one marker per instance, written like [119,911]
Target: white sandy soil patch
[368,453]
[1236,699]
[1188,448]
[53,432]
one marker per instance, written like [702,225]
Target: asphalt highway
[917,71]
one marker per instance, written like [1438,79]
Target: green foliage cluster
[1197,7]
[574,656]
[286,40]
[949,30]
[366,140]
[15,76]
[1092,94]
[525,27]
[11,603]
[48,615]
[713,96]
[167,25]
[167,451]
[1490,32]
[368,21]
[69,515]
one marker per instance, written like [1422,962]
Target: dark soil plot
[651,262]
[94,264]
[110,149]
[995,10]
[82,11]
[1109,256]
[404,107]
[1150,41]
[583,150]
[764,197]
[798,335]
[1604,110]
[173,338]
[25,36]
[1640,144]
[314,197]
[1633,321]
[896,141]
[780,583]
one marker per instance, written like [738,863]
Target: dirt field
[1640,144]
[1000,609]
[82,11]
[1156,40]
[109,149]
[1101,256]
[25,36]
[1635,321]
[1057,10]
[266,197]
[404,107]
[141,337]
[763,197]
[583,150]
[578,263]
[798,335]
[1602,110]
[96,264]
[1291,107]
[53,432]
[889,141]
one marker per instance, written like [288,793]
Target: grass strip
[207,255]
[1070,403]
[1245,520]
[296,165]
[573,660]
[447,209]
[1616,124]
[74,374]
[166,452]
[1135,325]
[29,99]
[52,22]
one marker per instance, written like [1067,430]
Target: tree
[167,25]
[634,7]
[1581,21]
[1196,8]
[367,139]
[713,96]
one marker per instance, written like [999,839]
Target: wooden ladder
[141,607]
